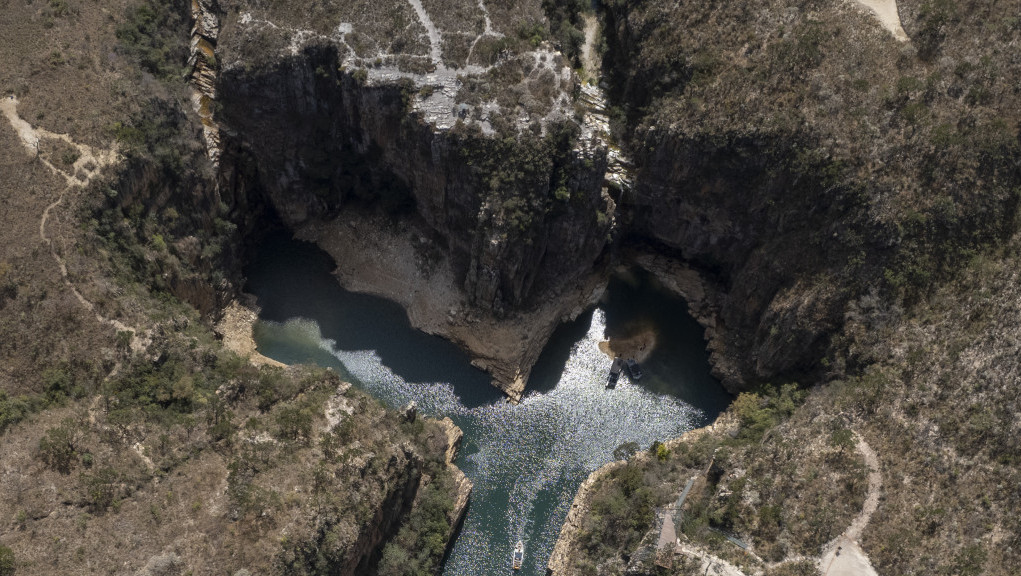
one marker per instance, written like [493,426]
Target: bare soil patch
[886,12]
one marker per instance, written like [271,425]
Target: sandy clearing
[638,346]
[711,565]
[236,329]
[29,138]
[846,558]
[89,163]
[886,11]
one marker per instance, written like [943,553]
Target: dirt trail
[435,41]
[710,564]
[875,485]
[85,168]
[886,11]
[486,31]
[589,60]
[843,556]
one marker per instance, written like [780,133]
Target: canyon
[843,219]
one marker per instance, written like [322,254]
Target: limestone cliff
[513,223]
[797,177]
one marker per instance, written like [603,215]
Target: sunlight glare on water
[532,456]
[527,460]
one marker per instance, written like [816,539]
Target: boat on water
[615,370]
[634,369]
[519,555]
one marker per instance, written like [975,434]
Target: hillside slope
[856,200]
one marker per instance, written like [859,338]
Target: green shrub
[622,510]
[101,489]
[797,568]
[662,451]
[419,546]
[7,561]
[156,34]
[970,560]
[566,23]
[60,384]
[625,450]
[842,439]
[934,16]
[294,423]
[760,412]
[16,409]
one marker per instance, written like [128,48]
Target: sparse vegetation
[58,448]
[7,562]
[151,34]
[914,344]
[773,479]
[387,472]
[621,511]
[861,206]
[566,25]
[418,548]
[140,429]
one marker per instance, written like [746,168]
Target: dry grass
[142,486]
[139,490]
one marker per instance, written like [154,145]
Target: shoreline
[372,258]
[235,327]
[564,550]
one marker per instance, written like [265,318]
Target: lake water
[526,461]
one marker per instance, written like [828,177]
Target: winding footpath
[435,41]
[841,556]
[486,31]
[87,167]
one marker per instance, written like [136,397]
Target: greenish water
[526,461]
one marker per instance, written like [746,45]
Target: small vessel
[519,555]
[634,369]
[615,370]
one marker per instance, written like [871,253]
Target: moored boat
[634,369]
[615,370]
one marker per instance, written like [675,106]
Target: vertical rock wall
[322,141]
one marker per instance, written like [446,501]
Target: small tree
[842,439]
[294,423]
[660,450]
[57,448]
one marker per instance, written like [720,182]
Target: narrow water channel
[526,461]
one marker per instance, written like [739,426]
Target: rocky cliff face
[797,178]
[733,213]
[325,142]
[514,222]
[324,139]
[364,553]
[509,221]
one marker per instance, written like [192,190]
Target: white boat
[519,555]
